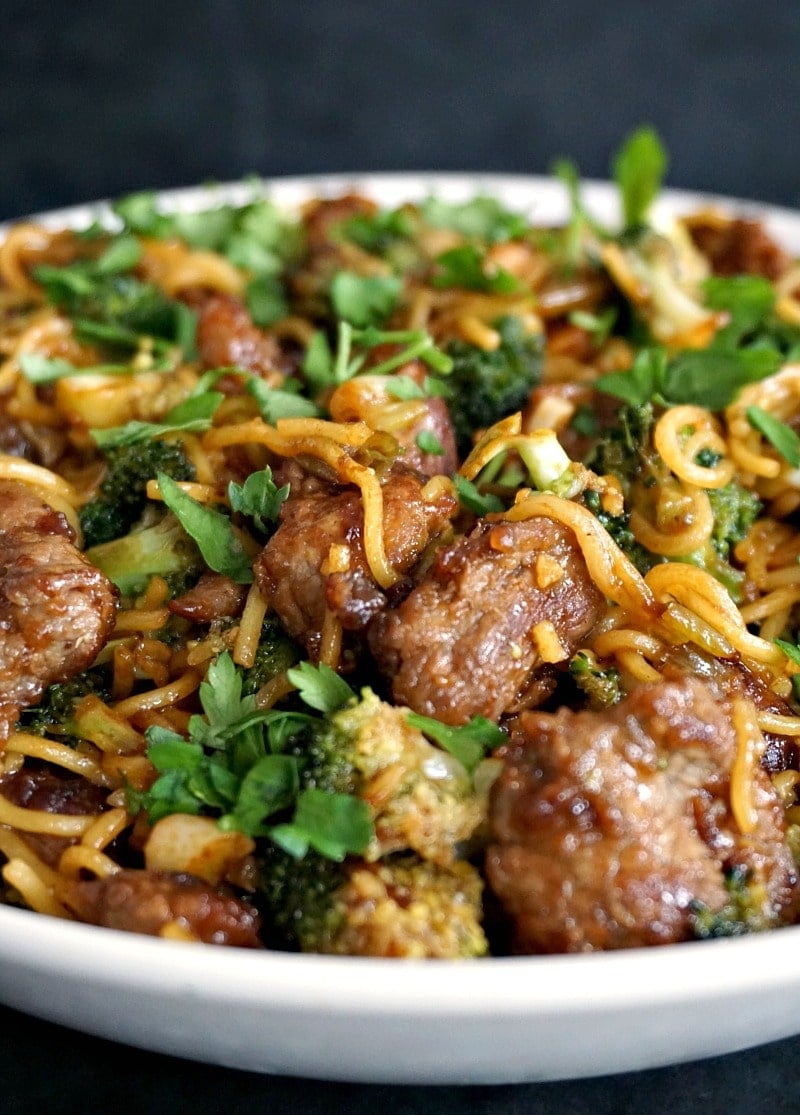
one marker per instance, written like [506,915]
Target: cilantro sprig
[258,237]
[480,218]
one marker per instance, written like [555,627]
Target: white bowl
[433,1022]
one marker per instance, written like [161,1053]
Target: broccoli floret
[621,450]
[123,490]
[485,386]
[667,270]
[120,305]
[617,526]
[735,510]
[601,687]
[422,797]
[424,808]
[742,913]
[55,711]
[163,549]
[276,653]
[398,907]
[624,452]
[297,897]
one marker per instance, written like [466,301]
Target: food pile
[405,582]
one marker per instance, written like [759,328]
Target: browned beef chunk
[213,597]
[322,215]
[140,901]
[290,570]
[434,420]
[730,677]
[740,247]
[226,336]
[13,440]
[56,610]
[466,640]
[52,791]
[608,827]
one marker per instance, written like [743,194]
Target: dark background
[101,99]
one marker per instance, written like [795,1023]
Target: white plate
[483,1021]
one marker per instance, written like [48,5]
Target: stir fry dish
[402,582]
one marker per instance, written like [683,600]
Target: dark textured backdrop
[99,99]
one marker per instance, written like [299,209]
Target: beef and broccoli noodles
[404,582]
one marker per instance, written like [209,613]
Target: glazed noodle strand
[609,568]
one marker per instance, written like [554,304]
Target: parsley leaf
[332,824]
[481,218]
[259,498]
[280,402]
[113,306]
[404,387]
[713,378]
[41,369]
[427,442]
[710,377]
[777,433]
[320,687]
[318,363]
[364,300]
[378,232]
[211,530]
[478,502]
[638,169]
[748,300]
[224,768]
[468,743]
[266,300]
[465,267]
[192,415]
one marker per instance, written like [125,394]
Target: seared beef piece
[141,901]
[289,570]
[740,247]
[43,445]
[463,642]
[13,440]
[435,419]
[56,610]
[322,215]
[730,677]
[226,336]
[213,597]
[52,791]
[608,826]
